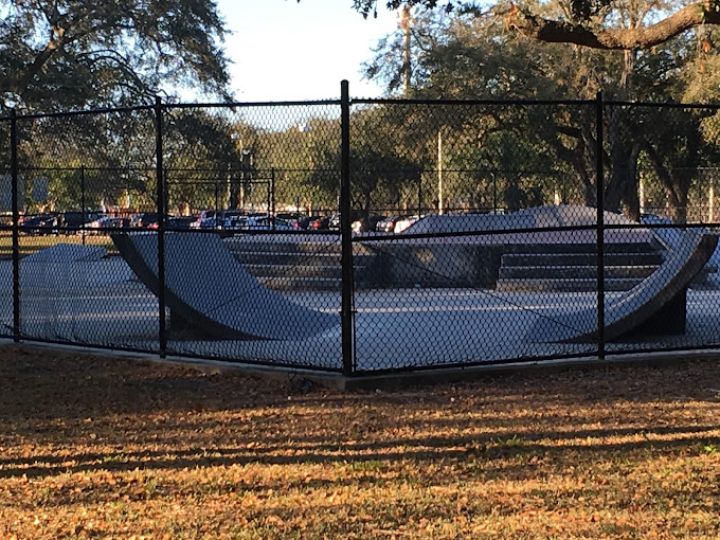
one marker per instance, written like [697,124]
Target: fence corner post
[346,260]
[15,224]
[160,188]
[600,224]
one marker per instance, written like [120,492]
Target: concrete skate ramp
[539,218]
[664,288]
[66,253]
[212,292]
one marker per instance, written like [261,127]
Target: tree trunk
[513,195]
[631,197]
[678,206]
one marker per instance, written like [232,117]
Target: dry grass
[114,448]
[32,243]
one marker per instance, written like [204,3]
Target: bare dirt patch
[118,448]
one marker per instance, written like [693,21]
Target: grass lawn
[116,448]
[31,243]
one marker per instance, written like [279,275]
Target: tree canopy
[599,24]
[464,56]
[69,53]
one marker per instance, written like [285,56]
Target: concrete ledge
[306,378]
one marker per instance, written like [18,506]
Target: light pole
[441,195]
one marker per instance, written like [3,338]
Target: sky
[285,50]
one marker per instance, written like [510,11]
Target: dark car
[319,223]
[72,221]
[368,223]
[180,222]
[304,221]
[148,220]
[387,225]
[292,219]
[359,221]
[40,223]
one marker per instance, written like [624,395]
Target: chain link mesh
[475,231]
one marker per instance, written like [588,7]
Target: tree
[56,54]
[381,167]
[471,57]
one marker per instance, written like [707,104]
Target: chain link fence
[363,236]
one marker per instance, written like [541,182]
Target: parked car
[208,219]
[319,224]
[109,222]
[404,222]
[359,221]
[265,223]
[147,220]
[334,223]
[229,219]
[292,219]
[75,220]
[180,222]
[304,221]
[40,223]
[234,222]
[387,225]
[364,224]
[193,222]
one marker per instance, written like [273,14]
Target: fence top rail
[488,102]
[364,101]
[82,112]
[661,104]
[249,104]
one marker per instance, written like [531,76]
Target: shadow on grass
[47,400]
[488,447]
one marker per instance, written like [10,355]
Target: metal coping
[49,231]
[364,237]
[528,230]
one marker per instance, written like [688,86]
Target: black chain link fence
[363,236]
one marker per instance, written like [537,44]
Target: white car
[404,222]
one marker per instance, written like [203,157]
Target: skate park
[217,309]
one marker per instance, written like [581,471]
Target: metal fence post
[160,178]
[271,196]
[15,225]
[83,202]
[600,232]
[419,196]
[346,261]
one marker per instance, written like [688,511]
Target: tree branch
[642,37]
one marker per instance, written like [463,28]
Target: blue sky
[283,50]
